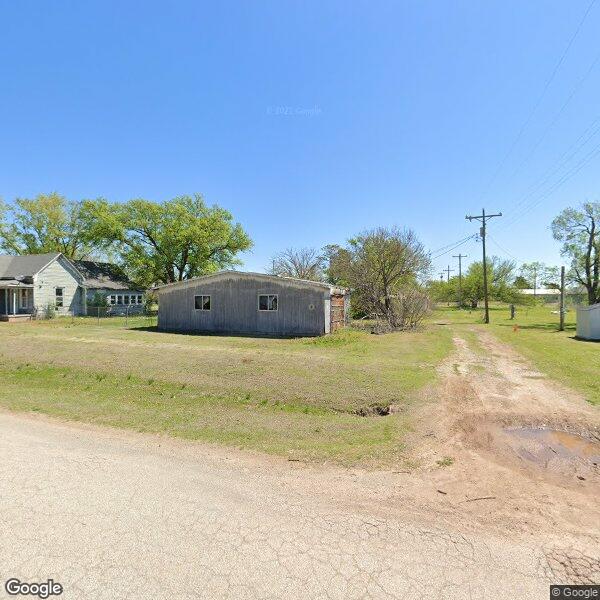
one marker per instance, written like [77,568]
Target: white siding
[58,274]
[588,322]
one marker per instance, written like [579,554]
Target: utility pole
[442,275]
[448,271]
[460,257]
[562,299]
[483,218]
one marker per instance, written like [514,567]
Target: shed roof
[103,275]
[27,265]
[244,274]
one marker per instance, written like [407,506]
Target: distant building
[541,292]
[109,282]
[252,303]
[553,294]
[38,285]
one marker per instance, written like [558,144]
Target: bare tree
[301,263]
[383,267]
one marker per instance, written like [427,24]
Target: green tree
[381,266]
[501,282]
[579,232]
[46,223]
[538,275]
[169,241]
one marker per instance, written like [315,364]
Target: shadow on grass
[551,327]
[580,339]
[262,336]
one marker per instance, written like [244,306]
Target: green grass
[534,333]
[294,397]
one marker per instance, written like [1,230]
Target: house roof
[103,275]
[27,265]
[228,274]
[14,283]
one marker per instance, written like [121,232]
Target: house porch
[16,301]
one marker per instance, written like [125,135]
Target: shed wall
[234,308]
[588,322]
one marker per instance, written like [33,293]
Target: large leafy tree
[169,241]
[380,266]
[46,223]
[501,282]
[579,231]
[502,285]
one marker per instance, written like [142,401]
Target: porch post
[14,302]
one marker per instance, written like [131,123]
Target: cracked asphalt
[113,515]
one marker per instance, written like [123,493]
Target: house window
[60,296]
[140,299]
[267,302]
[112,300]
[125,299]
[202,302]
[119,299]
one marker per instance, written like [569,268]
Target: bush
[405,310]
[98,300]
[50,311]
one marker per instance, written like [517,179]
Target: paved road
[113,515]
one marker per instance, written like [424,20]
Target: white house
[35,284]
[588,322]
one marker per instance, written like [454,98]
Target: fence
[125,316]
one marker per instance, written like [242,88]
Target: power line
[561,181]
[563,159]
[501,248]
[557,116]
[539,101]
[457,245]
[451,244]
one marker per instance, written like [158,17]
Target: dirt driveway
[113,515]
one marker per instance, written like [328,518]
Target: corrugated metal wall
[234,307]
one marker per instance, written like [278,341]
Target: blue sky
[311,121]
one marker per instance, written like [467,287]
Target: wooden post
[14,302]
[562,299]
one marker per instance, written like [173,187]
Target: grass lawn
[534,333]
[296,397]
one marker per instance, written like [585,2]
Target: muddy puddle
[557,451]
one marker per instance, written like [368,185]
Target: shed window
[202,302]
[267,302]
[59,297]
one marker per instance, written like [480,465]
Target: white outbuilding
[588,322]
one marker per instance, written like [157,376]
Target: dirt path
[504,477]
[113,514]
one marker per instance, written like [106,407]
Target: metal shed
[588,322]
[252,303]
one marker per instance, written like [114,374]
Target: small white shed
[588,322]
